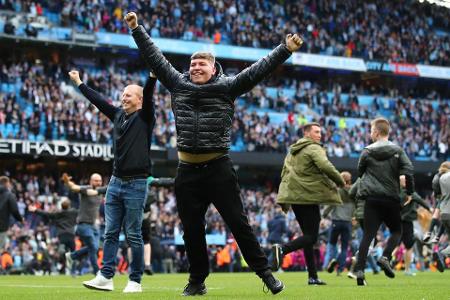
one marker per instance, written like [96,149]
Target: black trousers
[308,217]
[216,182]
[375,213]
[146,230]
[408,237]
[68,240]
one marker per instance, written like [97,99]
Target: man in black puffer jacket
[203,105]
[379,168]
[8,208]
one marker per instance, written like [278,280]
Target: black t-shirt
[132,133]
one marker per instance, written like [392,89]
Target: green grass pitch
[427,285]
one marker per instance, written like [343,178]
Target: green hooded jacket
[308,177]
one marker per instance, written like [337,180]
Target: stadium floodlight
[445,3]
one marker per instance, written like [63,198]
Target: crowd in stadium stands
[46,107]
[397,31]
[34,248]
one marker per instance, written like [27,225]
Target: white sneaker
[100,283]
[427,237]
[133,287]
[69,261]
[351,275]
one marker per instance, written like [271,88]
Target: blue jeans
[125,200]
[344,230]
[89,236]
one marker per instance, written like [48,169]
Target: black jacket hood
[383,150]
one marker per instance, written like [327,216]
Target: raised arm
[251,76]
[154,58]
[46,214]
[101,190]
[161,182]
[416,198]
[148,105]
[75,188]
[94,97]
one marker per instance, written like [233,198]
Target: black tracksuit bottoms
[216,182]
[377,211]
[308,217]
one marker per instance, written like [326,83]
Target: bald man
[86,229]
[127,189]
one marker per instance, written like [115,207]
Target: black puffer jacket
[380,167]
[8,207]
[204,113]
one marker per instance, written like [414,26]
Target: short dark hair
[307,127]
[65,204]
[382,125]
[204,55]
[4,180]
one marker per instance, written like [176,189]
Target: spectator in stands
[351,29]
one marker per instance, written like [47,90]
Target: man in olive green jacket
[307,180]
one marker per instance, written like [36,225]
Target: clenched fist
[131,19]
[293,42]
[75,77]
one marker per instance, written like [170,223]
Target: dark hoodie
[409,212]
[380,167]
[64,220]
[204,112]
[8,207]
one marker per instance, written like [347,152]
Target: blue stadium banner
[434,72]
[187,47]
[329,62]
[55,149]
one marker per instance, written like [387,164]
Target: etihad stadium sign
[56,148]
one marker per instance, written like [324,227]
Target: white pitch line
[82,287]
